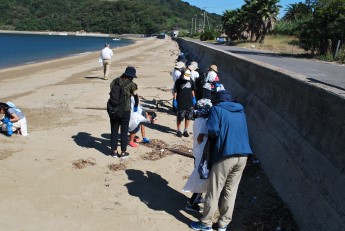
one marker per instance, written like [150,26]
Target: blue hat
[130,72]
[221,96]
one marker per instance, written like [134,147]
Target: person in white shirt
[193,67]
[106,55]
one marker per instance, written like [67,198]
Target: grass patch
[274,43]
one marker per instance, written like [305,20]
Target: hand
[175,103]
[5,120]
[194,101]
[135,109]
[200,138]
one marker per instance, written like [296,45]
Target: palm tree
[297,11]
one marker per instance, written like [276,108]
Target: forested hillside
[116,17]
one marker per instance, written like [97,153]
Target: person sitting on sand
[15,117]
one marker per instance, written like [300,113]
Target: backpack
[199,83]
[116,103]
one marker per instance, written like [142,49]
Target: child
[194,183]
[138,117]
[184,100]
[13,117]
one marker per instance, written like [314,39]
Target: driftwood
[92,108]
[181,152]
[104,108]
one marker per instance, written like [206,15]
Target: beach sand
[61,177]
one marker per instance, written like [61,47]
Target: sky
[219,6]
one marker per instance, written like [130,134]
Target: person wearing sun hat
[193,67]
[228,133]
[212,75]
[183,101]
[130,88]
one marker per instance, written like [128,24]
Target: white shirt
[106,53]
[175,74]
[194,75]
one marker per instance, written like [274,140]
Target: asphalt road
[329,74]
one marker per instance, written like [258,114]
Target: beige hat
[180,65]
[193,66]
[214,67]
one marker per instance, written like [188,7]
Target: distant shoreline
[77,33]
[62,33]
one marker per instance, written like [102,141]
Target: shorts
[143,113]
[185,114]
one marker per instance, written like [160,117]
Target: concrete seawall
[297,130]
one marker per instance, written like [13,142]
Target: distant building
[174,33]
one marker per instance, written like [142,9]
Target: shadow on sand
[155,192]
[86,140]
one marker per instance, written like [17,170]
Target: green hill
[114,17]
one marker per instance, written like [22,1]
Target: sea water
[20,49]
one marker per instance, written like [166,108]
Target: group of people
[189,86]
[220,124]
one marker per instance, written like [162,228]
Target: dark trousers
[115,123]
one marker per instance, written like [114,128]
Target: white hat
[193,66]
[187,75]
[180,65]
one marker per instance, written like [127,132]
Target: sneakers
[200,226]
[222,229]
[105,78]
[146,140]
[179,134]
[132,144]
[185,134]
[123,155]
[114,154]
[193,208]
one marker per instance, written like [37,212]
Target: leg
[218,176]
[227,201]
[143,132]
[132,137]
[114,134]
[179,119]
[106,67]
[124,130]
[178,124]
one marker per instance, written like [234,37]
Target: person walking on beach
[227,130]
[129,88]
[106,55]
[183,101]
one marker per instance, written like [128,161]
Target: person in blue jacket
[227,128]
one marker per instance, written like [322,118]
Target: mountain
[104,16]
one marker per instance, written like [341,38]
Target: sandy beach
[61,177]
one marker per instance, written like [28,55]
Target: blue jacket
[227,128]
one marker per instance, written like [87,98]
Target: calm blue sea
[19,49]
